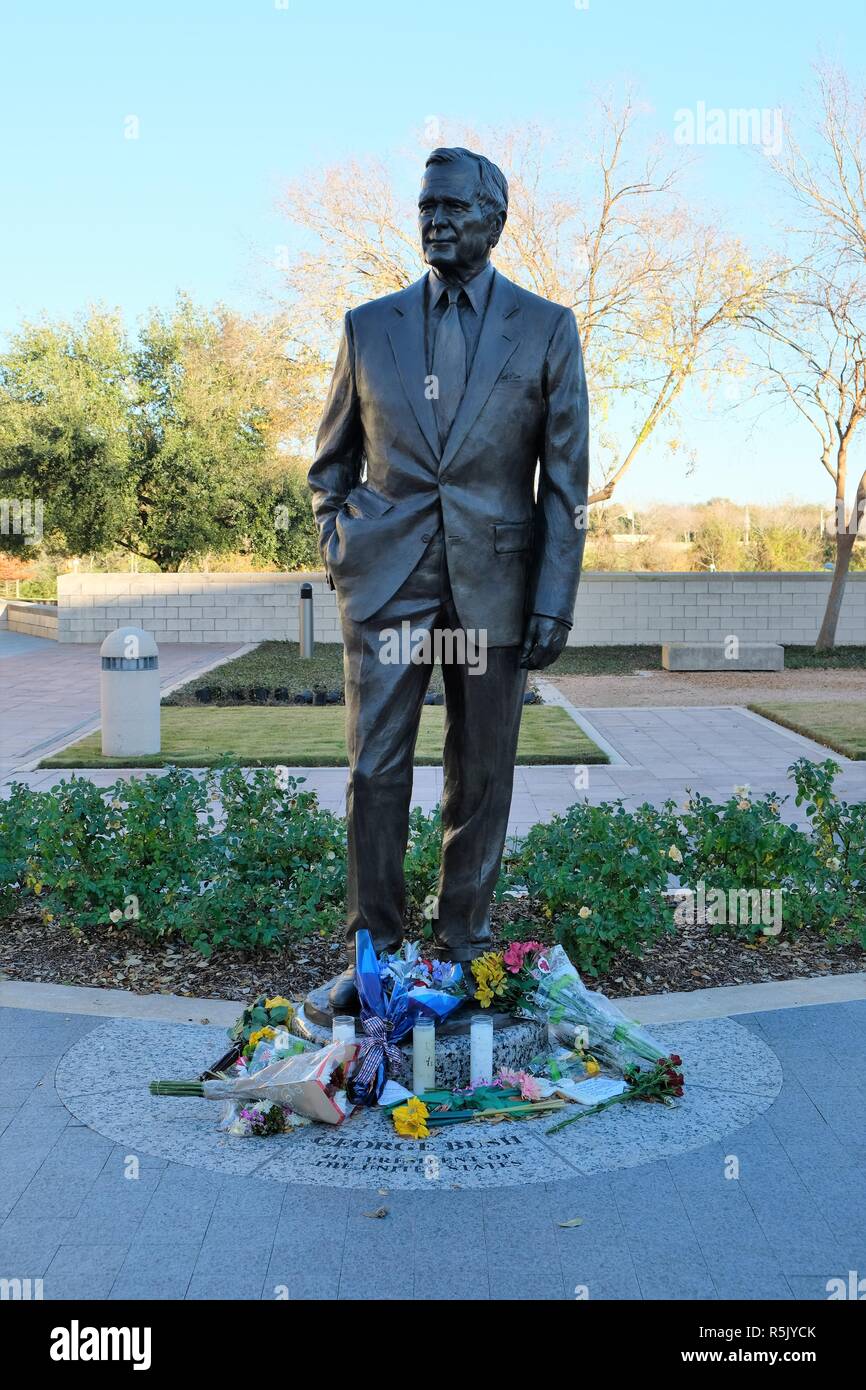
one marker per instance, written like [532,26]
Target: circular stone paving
[731,1077]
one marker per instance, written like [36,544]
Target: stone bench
[711,656]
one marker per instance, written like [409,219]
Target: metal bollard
[305,620]
[129,693]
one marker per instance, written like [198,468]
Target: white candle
[480,1051]
[423,1056]
[343,1028]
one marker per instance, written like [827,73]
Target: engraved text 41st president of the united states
[449,490]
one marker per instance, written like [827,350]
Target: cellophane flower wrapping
[561,998]
[390,992]
[303,1083]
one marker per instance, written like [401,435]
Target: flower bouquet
[259,1020]
[560,996]
[661,1082]
[307,1080]
[394,992]
[506,977]
[514,1096]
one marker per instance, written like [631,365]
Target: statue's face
[457,233]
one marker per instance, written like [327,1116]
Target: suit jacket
[510,553]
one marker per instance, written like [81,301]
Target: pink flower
[526,1084]
[514,958]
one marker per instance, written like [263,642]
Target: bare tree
[814,341]
[823,370]
[597,227]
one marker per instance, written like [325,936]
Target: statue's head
[462,208]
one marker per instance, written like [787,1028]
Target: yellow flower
[256,1038]
[743,805]
[278,1002]
[409,1120]
[585,912]
[592,1067]
[489,974]
[676,854]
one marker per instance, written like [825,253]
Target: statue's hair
[493,185]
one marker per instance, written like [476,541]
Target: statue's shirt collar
[477,289]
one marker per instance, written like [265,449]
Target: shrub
[743,846]
[19,816]
[123,853]
[74,867]
[597,874]
[277,865]
[249,859]
[839,846]
[421,865]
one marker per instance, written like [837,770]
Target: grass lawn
[841,727]
[276,665]
[299,736]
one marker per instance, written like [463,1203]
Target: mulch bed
[689,958]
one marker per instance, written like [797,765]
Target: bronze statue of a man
[452,393]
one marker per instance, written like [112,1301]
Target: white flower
[676,854]
[743,805]
[585,912]
[834,863]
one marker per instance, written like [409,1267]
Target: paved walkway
[94,1219]
[665,753]
[50,690]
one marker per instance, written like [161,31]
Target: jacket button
[426,536]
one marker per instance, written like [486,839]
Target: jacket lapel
[496,344]
[406,333]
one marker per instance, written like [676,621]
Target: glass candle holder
[343,1028]
[423,1056]
[480,1051]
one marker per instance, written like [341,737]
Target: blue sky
[236,96]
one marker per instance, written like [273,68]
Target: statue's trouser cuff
[384,700]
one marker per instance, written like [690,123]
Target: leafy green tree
[180,444]
[64,439]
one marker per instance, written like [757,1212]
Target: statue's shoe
[343,996]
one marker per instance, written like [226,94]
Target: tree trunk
[844,547]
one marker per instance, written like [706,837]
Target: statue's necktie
[449,365]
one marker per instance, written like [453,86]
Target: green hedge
[249,859]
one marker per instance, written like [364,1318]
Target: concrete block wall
[611,609]
[645,608]
[193,607]
[34,619]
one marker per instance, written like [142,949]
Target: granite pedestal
[515,1042]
